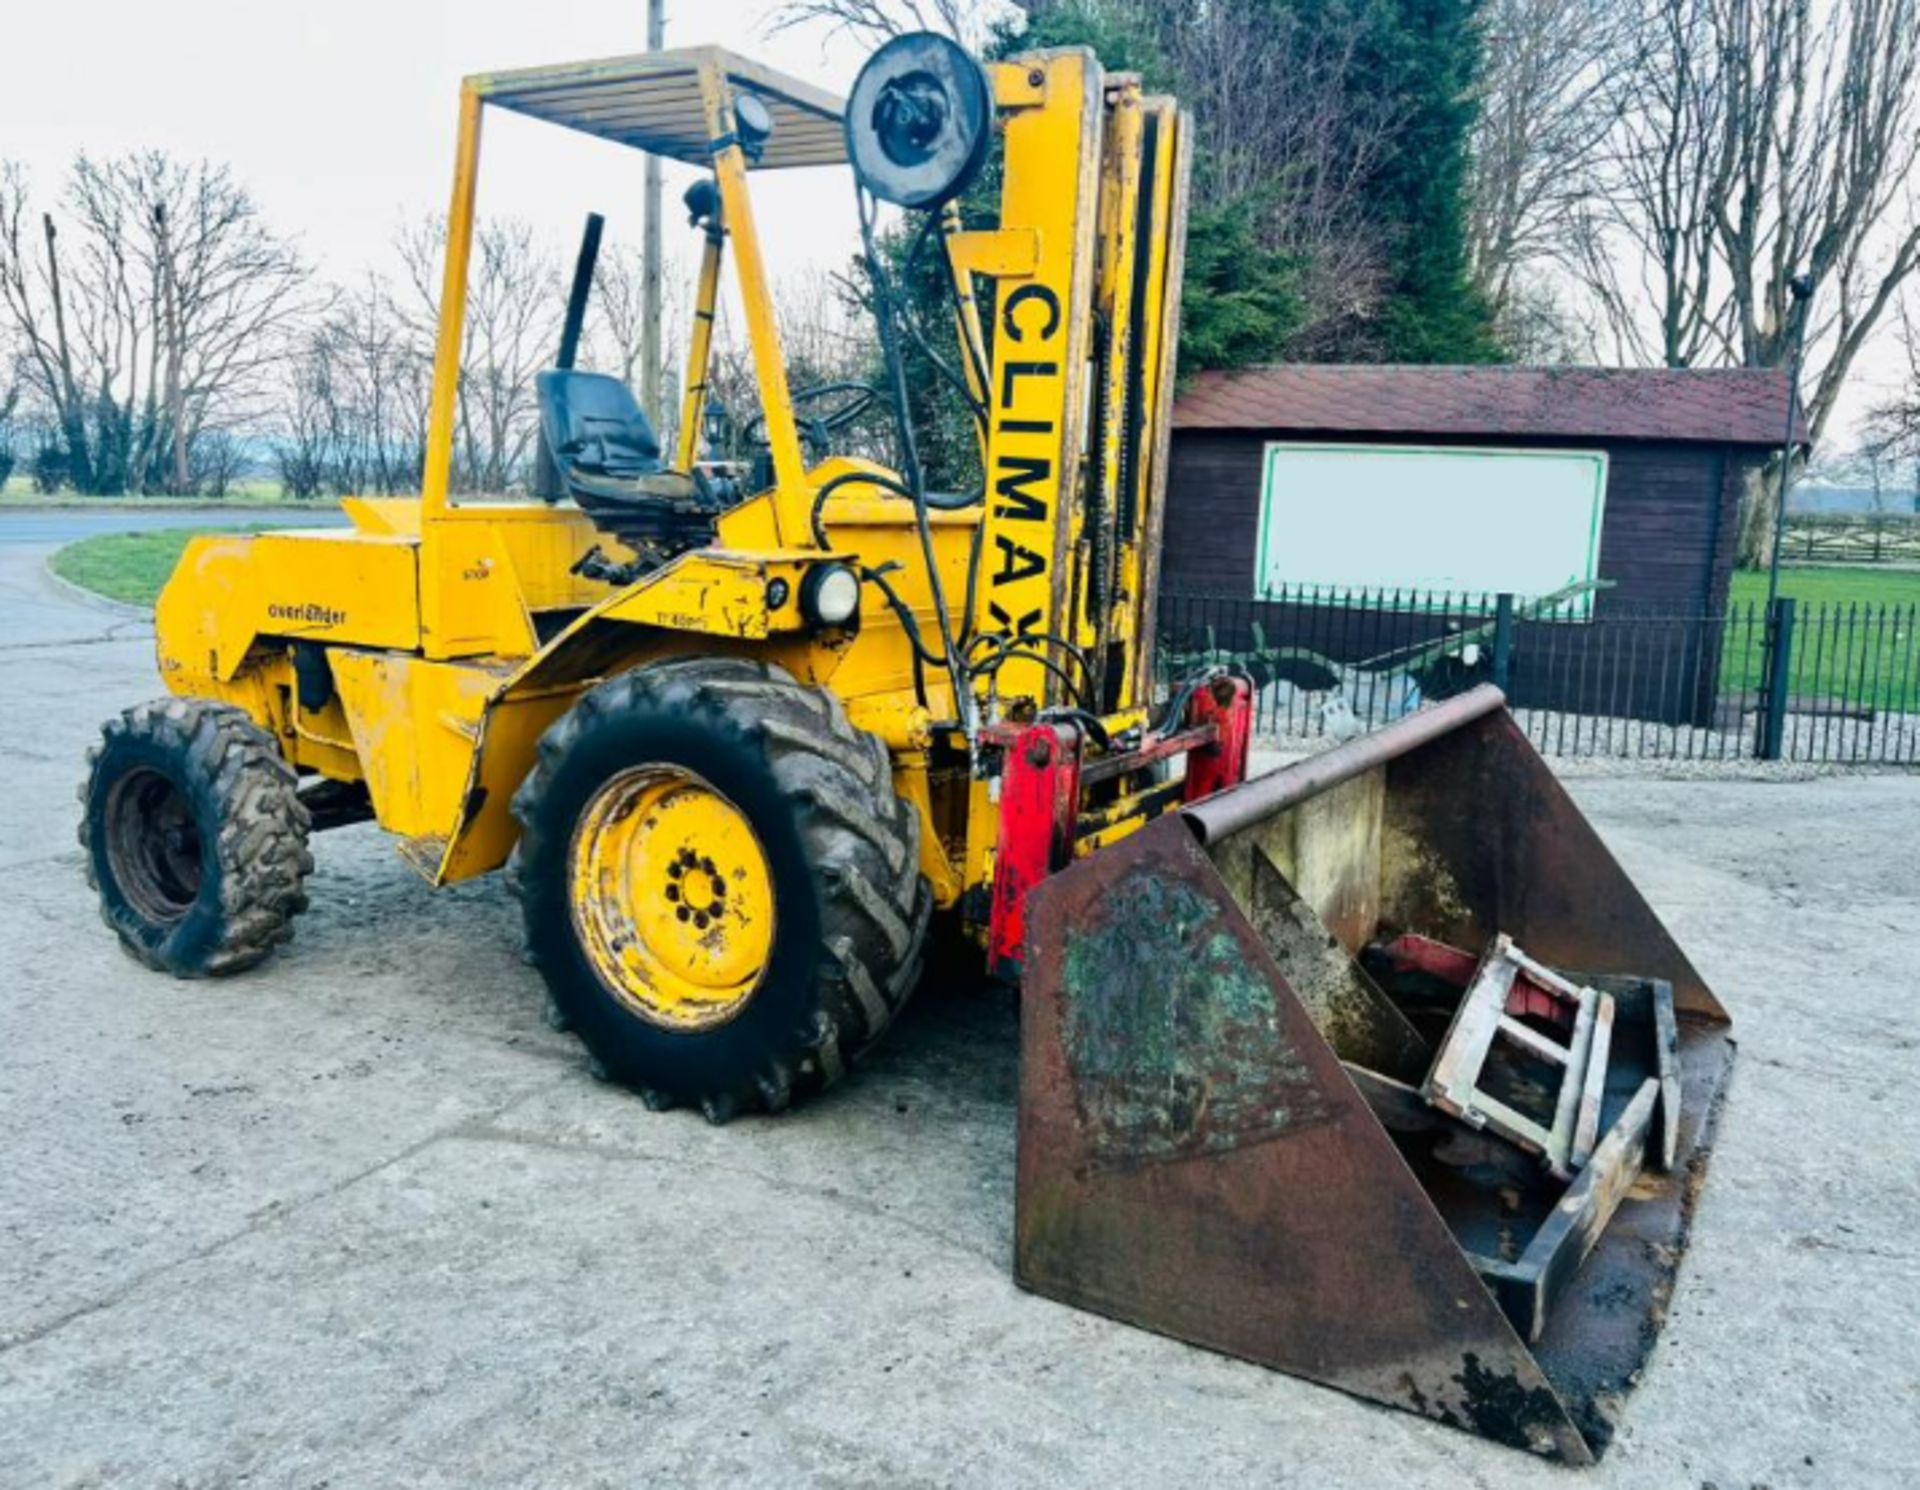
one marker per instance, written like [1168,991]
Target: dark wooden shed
[1679,448]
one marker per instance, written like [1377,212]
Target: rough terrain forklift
[739,744]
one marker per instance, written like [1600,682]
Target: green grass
[127,566]
[1862,584]
[1854,639]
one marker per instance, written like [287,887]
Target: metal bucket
[1205,1149]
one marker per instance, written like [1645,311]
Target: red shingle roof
[1740,406]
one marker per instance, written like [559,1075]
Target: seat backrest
[594,425]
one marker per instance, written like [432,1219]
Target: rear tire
[195,837]
[809,832]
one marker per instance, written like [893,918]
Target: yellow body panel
[324,586]
[470,599]
[541,542]
[383,517]
[414,723]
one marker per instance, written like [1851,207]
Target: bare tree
[1277,122]
[1892,429]
[1543,321]
[1640,235]
[827,335]
[219,460]
[876,20]
[1758,140]
[151,322]
[10,392]
[615,342]
[515,304]
[354,397]
[1549,98]
[301,439]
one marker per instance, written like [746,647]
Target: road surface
[51,527]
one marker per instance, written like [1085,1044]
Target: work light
[830,595]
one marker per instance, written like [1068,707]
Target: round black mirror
[919,120]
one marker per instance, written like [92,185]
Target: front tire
[195,837]
[720,885]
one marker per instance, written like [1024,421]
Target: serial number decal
[309,613]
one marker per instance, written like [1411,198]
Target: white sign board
[1397,517]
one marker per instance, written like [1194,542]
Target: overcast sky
[339,114]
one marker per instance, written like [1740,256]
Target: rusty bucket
[1224,1132]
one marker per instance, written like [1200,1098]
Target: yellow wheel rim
[672,897]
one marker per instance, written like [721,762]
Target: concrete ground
[358,1218]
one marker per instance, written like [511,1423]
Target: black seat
[595,425]
[609,462]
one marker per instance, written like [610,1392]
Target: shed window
[1418,519]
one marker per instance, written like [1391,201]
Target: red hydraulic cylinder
[1039,805]
[1227,704]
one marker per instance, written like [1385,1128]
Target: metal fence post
[1502,641]
[1773,720]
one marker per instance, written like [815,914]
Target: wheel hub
[672,897]
[153,845]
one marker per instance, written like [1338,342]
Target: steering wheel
[858,398]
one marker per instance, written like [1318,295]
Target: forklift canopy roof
[652,101]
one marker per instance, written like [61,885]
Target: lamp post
[1801,288]
[1772,714]
[650,253]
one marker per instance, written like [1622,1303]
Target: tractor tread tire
[248,794]
[860,840]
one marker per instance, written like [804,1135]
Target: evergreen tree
[1240,300]
[1423,58]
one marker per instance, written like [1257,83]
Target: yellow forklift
[740,741]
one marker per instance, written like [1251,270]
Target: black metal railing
[1586,676]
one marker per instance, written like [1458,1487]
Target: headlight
[830,595]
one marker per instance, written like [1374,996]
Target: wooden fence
[1852,538]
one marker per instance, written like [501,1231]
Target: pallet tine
[1566,1114]
[1666,1037]
[1528,1288]
[1593,1084]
